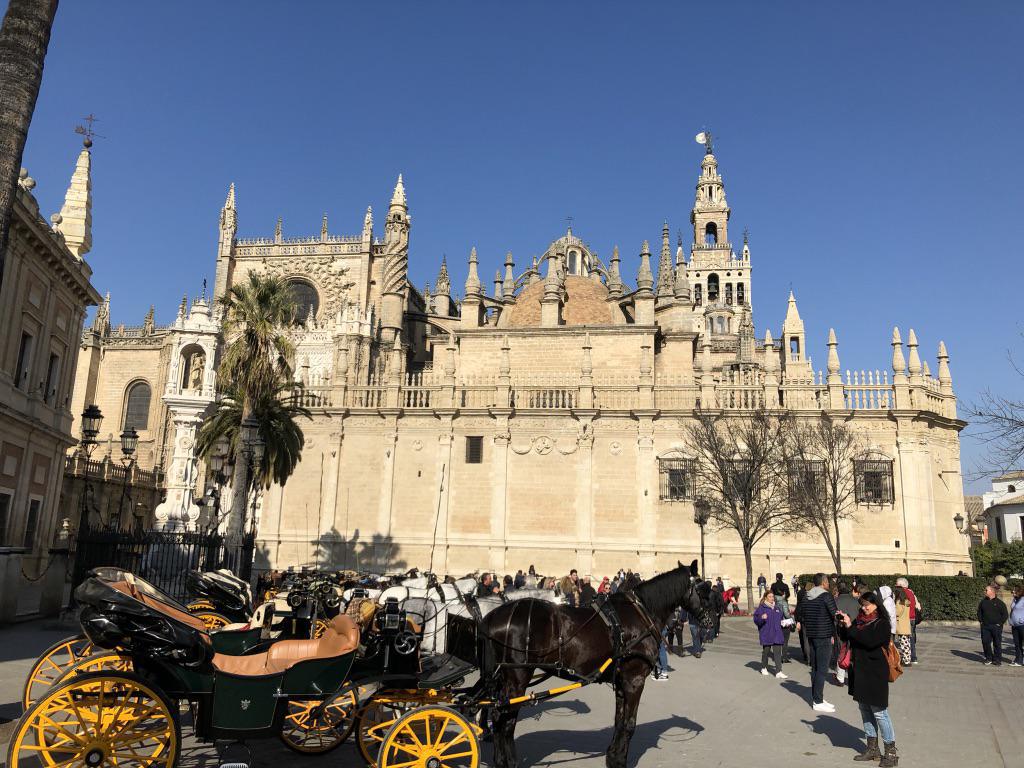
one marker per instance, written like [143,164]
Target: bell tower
[710,214]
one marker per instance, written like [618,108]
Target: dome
[586,303]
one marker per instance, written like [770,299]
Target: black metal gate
[162,557]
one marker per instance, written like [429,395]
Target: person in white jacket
[890,606]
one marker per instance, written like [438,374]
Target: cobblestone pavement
[713,711]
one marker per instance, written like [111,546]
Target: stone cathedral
[539,420]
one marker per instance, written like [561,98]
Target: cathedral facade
[541,420]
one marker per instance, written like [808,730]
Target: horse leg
[515,682]
[629,685]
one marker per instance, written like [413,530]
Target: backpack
[892,657]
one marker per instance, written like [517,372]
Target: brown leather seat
[151,602]
[341,637]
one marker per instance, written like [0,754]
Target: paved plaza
[713,711]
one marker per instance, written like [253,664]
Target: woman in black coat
[868,677]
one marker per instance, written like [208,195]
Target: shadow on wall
[378,553]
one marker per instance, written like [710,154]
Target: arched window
[721,326]
[305,297]
[573,263]
[794,348]
[136,406]
[728,293]
[711,234]
[698,299]
[1011,489]
[740,294]
[712,287]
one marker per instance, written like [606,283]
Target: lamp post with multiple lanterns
[252,448]
[701,515]
[129,443]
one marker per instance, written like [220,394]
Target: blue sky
[872,149]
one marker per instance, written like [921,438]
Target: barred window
[677,479]
[873,481]
[474,450]
[806,479]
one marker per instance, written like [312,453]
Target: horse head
[697,601]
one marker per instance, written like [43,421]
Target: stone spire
[497,284]
[899,363]
[147,323]
[914,364]
[76,213]
[368,221]
[644,277]
[833,357]
[323,229]
[771,361]
[792,320]
[278,229]
[710,214]
[228,214]
[398,198]
[101,323]
[509,287]
[666,277]
[793,338]
[945,379]
[442,286]
[395,275]
[614,276]
[472,287]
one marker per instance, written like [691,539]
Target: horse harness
[622,650]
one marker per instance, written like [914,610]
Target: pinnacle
[398,198]
[230,202]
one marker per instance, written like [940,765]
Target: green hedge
[944,598]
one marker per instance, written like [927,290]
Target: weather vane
[705,138]
[569,220]
[87,131]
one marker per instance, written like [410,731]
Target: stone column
[178,511]
[647,490]
[445,444]
[499,489]
[585,493]
[387,483]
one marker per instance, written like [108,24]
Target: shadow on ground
[539,746]
[841,734]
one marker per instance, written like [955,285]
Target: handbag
[845,656]
[892,657]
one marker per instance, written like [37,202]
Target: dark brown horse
[526,635]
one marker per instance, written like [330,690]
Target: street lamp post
[212,499]
[252,448]
[963,527]
[701,515]
[92,417]
[129,442]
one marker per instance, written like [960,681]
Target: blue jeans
[821,652]
[696,637]
[663,653]
[873,716]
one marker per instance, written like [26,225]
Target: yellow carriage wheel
[382,711]
[102,661]
[98,720]
[312,732]
[212,620]
[431,737]
[200,605]
[53,663]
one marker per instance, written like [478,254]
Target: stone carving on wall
[327,273]
[615,447]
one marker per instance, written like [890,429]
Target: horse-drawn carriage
[409,703]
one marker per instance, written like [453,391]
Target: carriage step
[233,765]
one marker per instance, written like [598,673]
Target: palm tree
[257,356]
[24,38]
[282,437]
[256,366]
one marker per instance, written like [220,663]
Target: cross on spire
[569,220]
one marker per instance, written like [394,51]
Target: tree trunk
[837,555]
[24,38]
[748,561]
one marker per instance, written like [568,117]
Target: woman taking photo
[868,677]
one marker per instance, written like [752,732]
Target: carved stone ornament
[615,447]
[417,445]
[543,445]
[326,272]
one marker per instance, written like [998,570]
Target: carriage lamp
[92,417]
[701,515]
[958,521]
[250,432]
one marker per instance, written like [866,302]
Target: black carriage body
[179,660]
[229,595]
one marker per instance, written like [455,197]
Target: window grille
[873,481]
[677,479]
[474,450]
[5,515]
[806,479]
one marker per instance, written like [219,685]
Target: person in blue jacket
[768,618]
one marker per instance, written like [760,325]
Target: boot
[870,754]
[891,758]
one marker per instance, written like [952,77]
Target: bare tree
[739,468]
[998,421]
[821,478]
[24,38]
